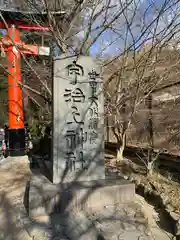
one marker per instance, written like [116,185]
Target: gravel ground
[125,222]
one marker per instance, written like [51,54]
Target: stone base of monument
[46,198]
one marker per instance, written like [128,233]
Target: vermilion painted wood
[23,48]
[23,26]
[15,98]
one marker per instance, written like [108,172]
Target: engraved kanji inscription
[74,71]
[75,138]
[82,160]
[82,137]
[93,123]
[70,161]
[78,113]
[93,84]
[71,142]
[93,75]
[75,161]
[76,95]
[93,135]
[76,116]
[93,109]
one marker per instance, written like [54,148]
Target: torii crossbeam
[13,22]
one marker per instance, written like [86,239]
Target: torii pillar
[13,47]
[15,95]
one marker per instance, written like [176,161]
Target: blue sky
[113,43]
[147,11]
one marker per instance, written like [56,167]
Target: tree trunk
[121,148]
[150,168]
[120,154]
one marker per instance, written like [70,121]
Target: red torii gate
[13,22]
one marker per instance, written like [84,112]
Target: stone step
[46,198]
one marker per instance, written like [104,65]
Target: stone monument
[78,171]
[78,120]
